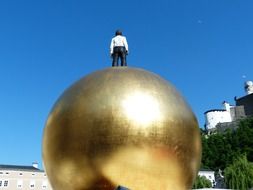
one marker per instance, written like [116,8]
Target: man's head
[118,32]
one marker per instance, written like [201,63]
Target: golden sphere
[121,126]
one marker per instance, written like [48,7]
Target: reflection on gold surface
[144,163]
[121,126]
[141,108]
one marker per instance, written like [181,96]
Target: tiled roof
[246,96]
[214,110]
[205,170]
[19,168]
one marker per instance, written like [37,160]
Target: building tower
[247,100]
[248,86]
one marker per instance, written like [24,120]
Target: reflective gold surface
[121,126]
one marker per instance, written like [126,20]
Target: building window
[6,182]
[20,174]
[20,184]
[1,183]
[44,185]
[32,184]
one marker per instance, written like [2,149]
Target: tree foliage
[239,175]
[220,149]
[201,182]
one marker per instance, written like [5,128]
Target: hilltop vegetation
[220,149]
[231,152]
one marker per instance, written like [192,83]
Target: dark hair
[118,32]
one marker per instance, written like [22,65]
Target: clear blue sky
[203,47]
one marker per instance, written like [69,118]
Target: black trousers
[119,52]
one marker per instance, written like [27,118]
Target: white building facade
[213,117]
[14,177]
[208,174]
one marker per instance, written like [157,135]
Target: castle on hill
[228,117]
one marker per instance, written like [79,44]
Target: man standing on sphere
[119,49]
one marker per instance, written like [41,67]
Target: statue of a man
[119,49]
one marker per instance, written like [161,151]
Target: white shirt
[118,41]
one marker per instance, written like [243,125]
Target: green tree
[245,137]
[202,182]
[217,152]
[220,149]
[239,175]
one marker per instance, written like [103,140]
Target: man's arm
[125,44]
[111,47]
